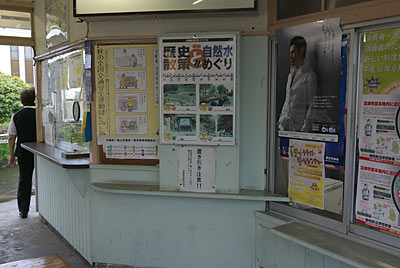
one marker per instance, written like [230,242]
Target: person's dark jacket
[25,123]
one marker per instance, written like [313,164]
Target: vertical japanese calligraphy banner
[197,83]
[379,143]
[307,172]
[126,106]
[197,169]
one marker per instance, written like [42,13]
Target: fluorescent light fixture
[101,7]
[197,2]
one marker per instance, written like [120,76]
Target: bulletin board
[126,101]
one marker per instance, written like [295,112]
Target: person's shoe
[23,215]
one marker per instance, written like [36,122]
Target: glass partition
[309,142]
[363,197]
[63,99]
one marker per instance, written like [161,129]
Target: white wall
[173,232]
[252,87]
[63,206]
[273,251]
[154,231]
[156,25]
[111,26]
[149,26]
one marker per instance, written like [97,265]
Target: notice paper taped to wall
[307,172]
[197,169]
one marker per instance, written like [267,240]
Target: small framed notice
[197,169]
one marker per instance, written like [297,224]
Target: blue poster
[334,151]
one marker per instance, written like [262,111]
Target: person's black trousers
[25,165]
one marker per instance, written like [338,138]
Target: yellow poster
[126,100]
[306,172]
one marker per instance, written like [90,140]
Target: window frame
[367,11]
[40,59]
[28,7]
[14,60]
[29,61]
[19,6]
[320,220]
[354,228]
[347,225]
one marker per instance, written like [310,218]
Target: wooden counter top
[54,154]
[136,189]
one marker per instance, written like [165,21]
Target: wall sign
[197,83]
[309,90]
[378,187]
[307,172]
[197,169]
[127,114]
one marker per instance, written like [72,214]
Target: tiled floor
[30,238]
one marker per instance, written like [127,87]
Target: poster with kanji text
[127,114]
[379,143]
[307,172]
[197,85]
[197,169]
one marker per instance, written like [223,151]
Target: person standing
[22,128]
[301,87]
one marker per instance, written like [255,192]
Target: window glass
[61,89]
[378,185]
[13,23]
[310,142]
[14,61]
[331,4]
[28,53]
[293,8]
[14,52]
[29,68]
